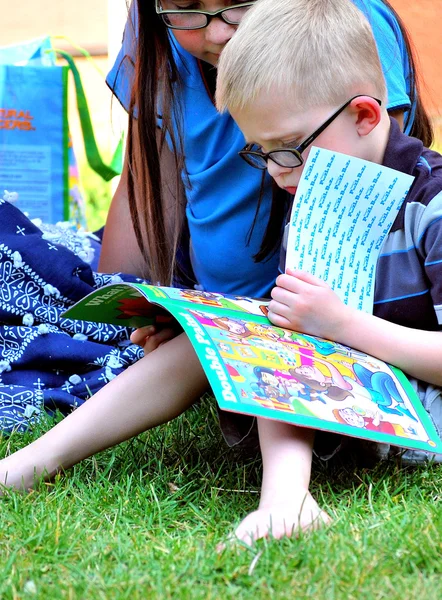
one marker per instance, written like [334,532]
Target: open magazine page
[266,371]
[343,210]
[258,369]
[137,304]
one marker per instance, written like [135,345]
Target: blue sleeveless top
[224,190]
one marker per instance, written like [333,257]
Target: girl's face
[208,43]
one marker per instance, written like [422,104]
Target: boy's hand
[305,303]
[151,337]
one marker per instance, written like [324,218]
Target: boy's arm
[304,303]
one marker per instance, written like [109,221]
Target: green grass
[97,197]
[143,521]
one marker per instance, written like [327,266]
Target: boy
[302,66]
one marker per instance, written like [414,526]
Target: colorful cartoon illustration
[382,389]
[201,297]
[274,404]
[236,327]
[372,422]
[318,390]
[269,385]
[265,331]
[258,369]
[224,347]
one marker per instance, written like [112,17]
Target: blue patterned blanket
[47,362]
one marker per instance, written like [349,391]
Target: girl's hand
[150,337]
[305,303]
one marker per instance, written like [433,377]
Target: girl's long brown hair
[158,228]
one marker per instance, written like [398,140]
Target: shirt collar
[402,152]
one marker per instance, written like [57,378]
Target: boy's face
[273,121]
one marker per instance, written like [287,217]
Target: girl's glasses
[289,157]
[198,19]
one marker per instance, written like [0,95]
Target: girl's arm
[120,251]
[305,303]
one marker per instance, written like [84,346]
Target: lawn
[143,521]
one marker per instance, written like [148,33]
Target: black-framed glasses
[290,157]
[198,19]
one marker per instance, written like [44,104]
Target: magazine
[258,369]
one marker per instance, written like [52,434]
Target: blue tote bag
[34,137]
[36,155]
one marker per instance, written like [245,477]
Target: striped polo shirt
[408,289]
[408,283]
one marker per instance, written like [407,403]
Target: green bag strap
[107,172]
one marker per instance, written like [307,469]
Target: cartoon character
[201,297]
[318,390]
[269,332]
[270,385]
[382,389]
[234,326]
[364,420]
[246,352]
[313,373]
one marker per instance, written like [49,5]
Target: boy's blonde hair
[321,51]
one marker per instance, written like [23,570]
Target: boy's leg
[154,390]
[286,505]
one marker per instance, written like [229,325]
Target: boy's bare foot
[282,519]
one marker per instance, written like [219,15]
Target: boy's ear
[367,112]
